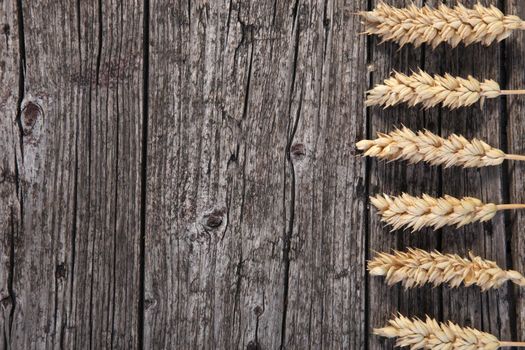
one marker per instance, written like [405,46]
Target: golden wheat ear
[434,26]
[420,88]
[417,267]
[415,213]
[431,334]
[425,146]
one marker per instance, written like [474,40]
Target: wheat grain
[420,88]
[434,26]
[424,146]
[430,334]
[408,211]
[417,267]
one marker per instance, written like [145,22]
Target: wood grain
[512,76]
[219,208]
[326,285]
[10,212]
[276,137]
[78,156]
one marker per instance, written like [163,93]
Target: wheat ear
[417,267]
[408,211]
[420,88]
[434,26]
[429,334]
[424,146]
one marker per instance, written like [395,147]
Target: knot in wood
[30,114]
[258,310]
[215,218]
[6,302]
[253,345]
[149,303]
[60,271]
[214,221]
[298,150]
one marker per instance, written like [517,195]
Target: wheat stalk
[424,146]
[434,26]
[420,88]
[408,211]
[417,267]
[429,334]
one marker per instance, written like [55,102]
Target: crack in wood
[144,172]
[288,160]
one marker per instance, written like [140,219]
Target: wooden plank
[219,195]
[488,311]
[396,178]
[326,285]
[9,179]
[514,78]
[76,267]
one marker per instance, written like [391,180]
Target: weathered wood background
[182,175]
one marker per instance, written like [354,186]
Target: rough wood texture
[218,179]
[75,153]
[514,108]
[255,232]
[9,183]
[183,175]
[326,284]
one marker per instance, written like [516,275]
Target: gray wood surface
[9,183]
[183,175]
[72,174]
[513,109]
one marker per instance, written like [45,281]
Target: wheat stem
[513,92]
[424,146]
[508,344]
[515,157]
[510,206]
